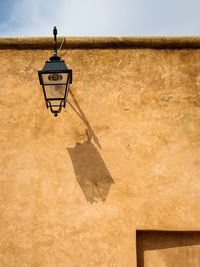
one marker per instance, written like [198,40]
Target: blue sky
[99,17]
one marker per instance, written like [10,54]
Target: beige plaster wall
[74,189]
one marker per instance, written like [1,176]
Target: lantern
[55,79]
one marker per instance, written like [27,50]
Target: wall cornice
[102,42]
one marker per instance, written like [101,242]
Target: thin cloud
[99,17]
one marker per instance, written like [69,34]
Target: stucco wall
[74,189]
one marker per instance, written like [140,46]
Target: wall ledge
[188,42]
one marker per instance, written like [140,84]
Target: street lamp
[55,79]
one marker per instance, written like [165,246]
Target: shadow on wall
[168,248]
[89,167]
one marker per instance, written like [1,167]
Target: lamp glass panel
[54,78]
[55,103]
[55,91]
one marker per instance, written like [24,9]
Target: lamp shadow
[160,240]
[91,172]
